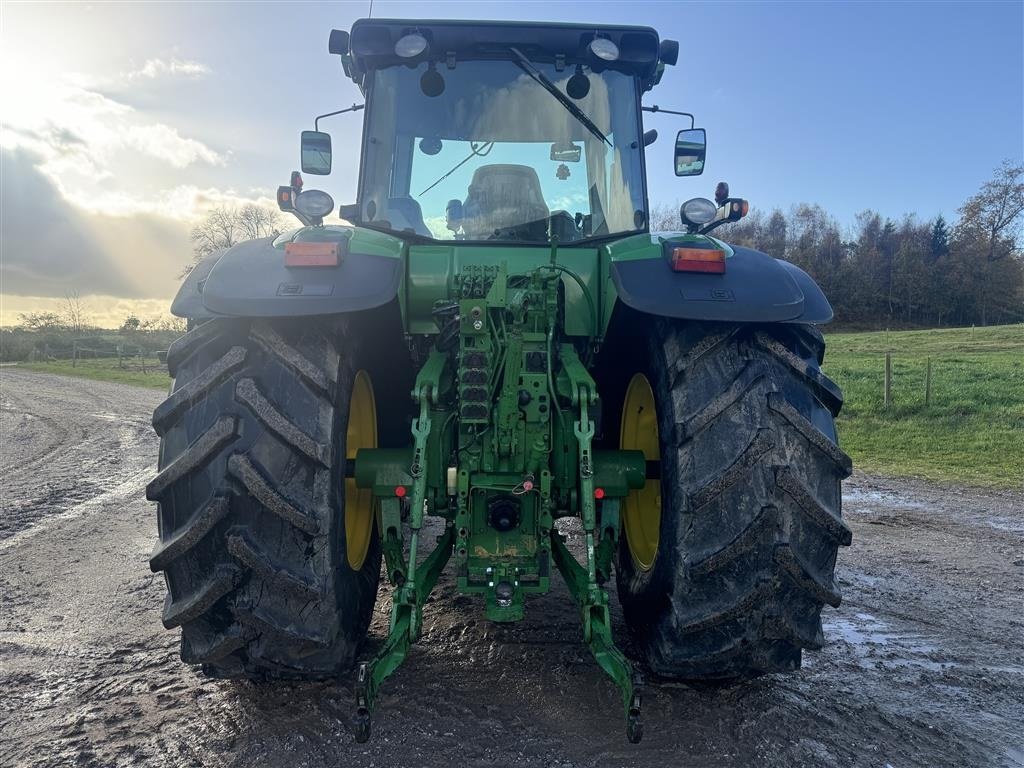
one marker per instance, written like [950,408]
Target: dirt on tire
[750,522]
[923,663]
[250,503]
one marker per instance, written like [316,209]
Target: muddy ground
[924,664]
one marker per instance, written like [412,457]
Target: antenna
[370,14]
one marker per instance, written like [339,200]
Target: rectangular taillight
[311,254]
[711,260]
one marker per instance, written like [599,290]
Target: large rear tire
[727,561]
[271,562]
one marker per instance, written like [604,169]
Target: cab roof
[371,44]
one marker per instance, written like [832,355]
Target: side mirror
[338,42]
[316,153]
[691,147]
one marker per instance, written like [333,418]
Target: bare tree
[226,226]
[255,221]
[665,218]
[41,321]
[218,230]
[172,323]
[164,323]
[996,214]
[74,311]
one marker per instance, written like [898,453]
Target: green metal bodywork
[502,444]
[431,270]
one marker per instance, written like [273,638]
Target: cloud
[81,131]
[438,226]
[165,143]
[154,68]
[49,246]
[185,202]
[569,202]
[110,242]
[68,221]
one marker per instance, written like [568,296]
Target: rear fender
[754,289]
[189,301]
[251,279]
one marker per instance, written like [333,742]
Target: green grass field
[973,430]
[971,433]
[107,369]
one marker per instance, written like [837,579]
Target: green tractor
[494,337]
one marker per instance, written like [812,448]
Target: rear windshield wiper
[527,66]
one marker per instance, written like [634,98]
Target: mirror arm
[353,108]
[307,221]
[304,220]
[656,108]
[713,225]
[725,214]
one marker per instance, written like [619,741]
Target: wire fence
[926,389]
[128,357]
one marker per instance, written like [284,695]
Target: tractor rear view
[493,337]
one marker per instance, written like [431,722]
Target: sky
[122,124]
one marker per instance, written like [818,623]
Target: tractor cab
[501,133]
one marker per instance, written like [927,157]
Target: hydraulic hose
[586,294]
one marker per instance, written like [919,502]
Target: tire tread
[250,505]
[752,541]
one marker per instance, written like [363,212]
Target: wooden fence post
[887,388]
[928,383]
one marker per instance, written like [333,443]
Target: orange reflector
[400,491]
[599,493]
[698,260]
[311,254]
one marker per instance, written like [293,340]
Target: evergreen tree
[939,238]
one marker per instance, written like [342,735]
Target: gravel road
[924,662]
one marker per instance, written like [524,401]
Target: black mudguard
[189,301]
[754,289]
[251,280]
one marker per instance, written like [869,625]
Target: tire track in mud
[923,663]
[61,446]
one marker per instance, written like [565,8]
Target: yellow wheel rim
[359,504]
[641,516]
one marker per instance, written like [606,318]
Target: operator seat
[501,197]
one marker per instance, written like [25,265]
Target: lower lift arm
[412,581]
[616,471]
[601,542]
